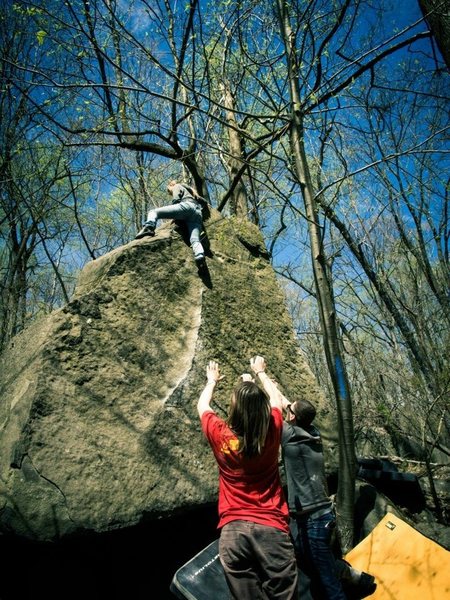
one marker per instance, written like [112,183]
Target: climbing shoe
[200,262]
[364,587]
[147,230]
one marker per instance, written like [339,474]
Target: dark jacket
[302,454]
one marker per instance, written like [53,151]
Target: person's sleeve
[278,421]
[285,433]
[278,417]
[178,192]
[209,422]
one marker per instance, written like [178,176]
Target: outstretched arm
[284,401]
[258,365]
[213,376]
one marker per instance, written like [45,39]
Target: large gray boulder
[98,423]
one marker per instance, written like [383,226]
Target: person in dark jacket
[312,514]
[186,206]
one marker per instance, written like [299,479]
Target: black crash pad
[201,577]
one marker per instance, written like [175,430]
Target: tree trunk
[437,15]
[238,201]
[327,312]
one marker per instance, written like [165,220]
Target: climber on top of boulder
[186,206]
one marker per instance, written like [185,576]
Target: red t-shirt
[249,488]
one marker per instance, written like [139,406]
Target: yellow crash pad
[406,564]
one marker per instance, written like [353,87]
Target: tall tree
[324,294]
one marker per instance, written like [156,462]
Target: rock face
[98,422]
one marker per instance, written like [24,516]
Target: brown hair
[249,417]
[303,411]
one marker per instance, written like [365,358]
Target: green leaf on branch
[40,35]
